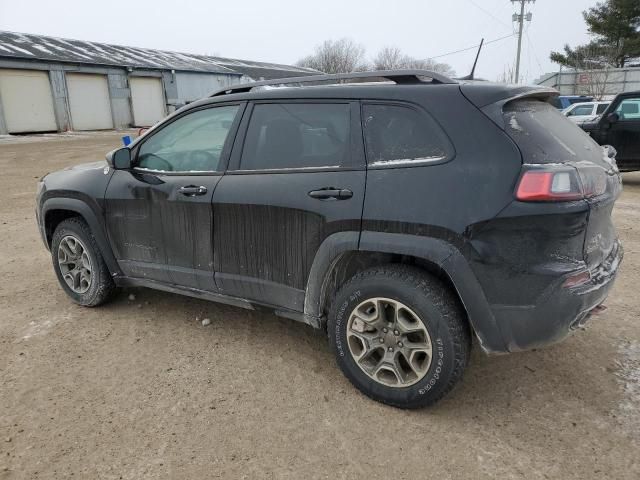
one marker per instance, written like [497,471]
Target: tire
[100,284]
[414,294]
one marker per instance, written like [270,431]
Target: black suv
[400,216]
[619,126]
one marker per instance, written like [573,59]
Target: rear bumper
[558,311]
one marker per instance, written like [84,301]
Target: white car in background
[585,111]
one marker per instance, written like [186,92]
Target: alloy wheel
[389,342]
[75,264]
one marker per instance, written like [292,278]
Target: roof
[52,49]
[264,70]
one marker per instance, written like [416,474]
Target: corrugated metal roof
[52,49]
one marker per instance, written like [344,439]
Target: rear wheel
[399,335]
[79,265]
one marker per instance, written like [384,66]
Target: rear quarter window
[402,136]
[544,135]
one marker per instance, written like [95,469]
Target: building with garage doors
[52,84]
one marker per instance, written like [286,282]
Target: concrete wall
[609,83]
[179,88]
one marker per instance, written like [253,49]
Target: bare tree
[336,56]
[593,83]
[430,64]
[508,73]
[392,58]
[346,56]
[593,66]
[389,58]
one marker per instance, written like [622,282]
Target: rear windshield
[544,135]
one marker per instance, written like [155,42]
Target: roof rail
[398,76]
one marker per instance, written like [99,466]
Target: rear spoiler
[491,98]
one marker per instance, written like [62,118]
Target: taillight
[545,183]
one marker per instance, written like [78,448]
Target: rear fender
[432,250]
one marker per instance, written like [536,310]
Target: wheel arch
[338,260]
[56,210]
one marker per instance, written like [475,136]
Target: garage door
[147,100]
[89,101]
[27,101]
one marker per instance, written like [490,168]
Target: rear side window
[601,108]
[297,135]
[544,135]
[401,135]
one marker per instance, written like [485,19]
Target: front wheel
[79,265]
[399,335]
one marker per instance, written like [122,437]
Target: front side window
[401,135]
[629,110]
[192,143]
[297,135]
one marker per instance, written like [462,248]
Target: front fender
[90,216]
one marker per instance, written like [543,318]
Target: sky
[287,30]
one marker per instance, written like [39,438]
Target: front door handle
[331,193]
[193,190]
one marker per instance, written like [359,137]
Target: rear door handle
[193,190]
[331,194]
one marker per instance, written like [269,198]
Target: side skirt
[217,297]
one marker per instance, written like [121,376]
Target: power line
[489,13]
[473,46]
[535,55]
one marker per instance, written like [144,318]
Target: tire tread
[106,286]
[445,301]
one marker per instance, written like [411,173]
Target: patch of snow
[20,38]
[20,49]
[628,375]
[43,49]
[57,47]
[73,51]
[407,161]
[513,123]
[42,328]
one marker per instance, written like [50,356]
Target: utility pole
[520,19]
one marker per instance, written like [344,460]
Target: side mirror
[119,159]
[613,118]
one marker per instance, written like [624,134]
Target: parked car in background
[367,210]
[585,111]
[563,101]
[619,126]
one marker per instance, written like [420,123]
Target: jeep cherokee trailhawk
[401,213]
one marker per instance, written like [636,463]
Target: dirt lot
[140,389]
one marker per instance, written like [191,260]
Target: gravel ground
[140,388]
